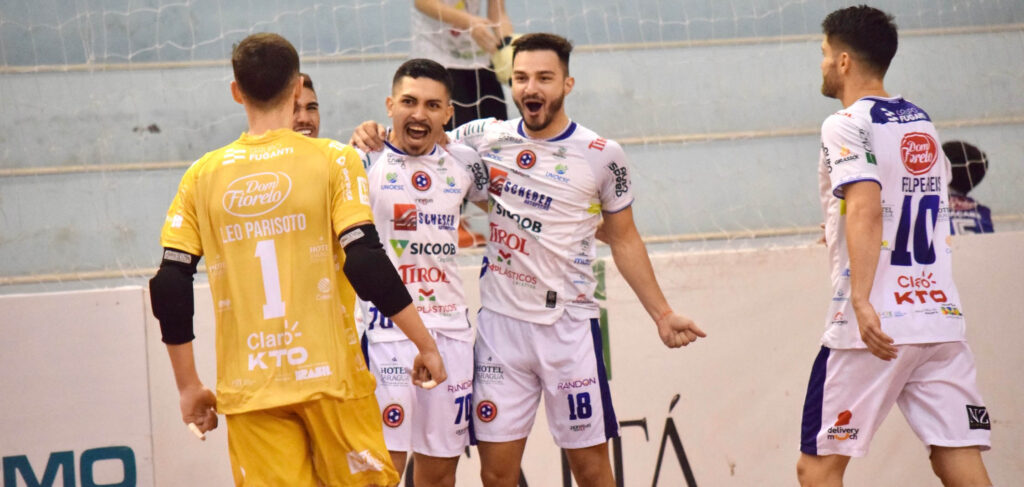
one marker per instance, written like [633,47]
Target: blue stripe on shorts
[811,425]
[611,424]
[365,345]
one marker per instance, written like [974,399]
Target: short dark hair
[868,32]
[423,68]
[968,163]
[265,65]
[543,41]
[307,81]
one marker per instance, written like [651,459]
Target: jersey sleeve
[614,184]
[472,133]
[476,190]
[846,147]
[181,227]
[350,202]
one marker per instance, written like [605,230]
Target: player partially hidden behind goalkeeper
[285,225]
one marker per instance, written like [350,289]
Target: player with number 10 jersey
[914,292]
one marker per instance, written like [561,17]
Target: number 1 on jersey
[267,253]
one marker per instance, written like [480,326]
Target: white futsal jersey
[416,202]
[545,202]
[892,142]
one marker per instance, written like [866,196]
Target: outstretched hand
[677,330]
[199,407]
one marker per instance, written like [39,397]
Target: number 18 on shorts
[517,362]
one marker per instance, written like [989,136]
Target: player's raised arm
[630,255]
[375,279]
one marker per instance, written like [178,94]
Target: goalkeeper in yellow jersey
[285,225]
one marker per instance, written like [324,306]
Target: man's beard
[830,84]
[546,116]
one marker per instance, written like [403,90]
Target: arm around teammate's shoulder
[630,256]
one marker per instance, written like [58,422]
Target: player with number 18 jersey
[546,198]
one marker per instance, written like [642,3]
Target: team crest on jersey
[486,411]
[526,159]
[421,180]
[919,152]
[393,415]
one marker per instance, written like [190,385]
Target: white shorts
[433,422]
[517,360]
[852,391]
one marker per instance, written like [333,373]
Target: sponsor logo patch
[919,152]
[839,431]
[977,418]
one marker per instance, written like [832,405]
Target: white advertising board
[75,395]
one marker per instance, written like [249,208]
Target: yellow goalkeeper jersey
[266,212]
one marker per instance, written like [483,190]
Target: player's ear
[569,83]
[843,63]
[449,110]
[297,89]
[236,93]
[388,103]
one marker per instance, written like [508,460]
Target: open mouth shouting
[417,131]
[532,107]
[306,130]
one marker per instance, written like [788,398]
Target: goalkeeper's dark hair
[543,41]
[265,67]
[866,31]
[423,68]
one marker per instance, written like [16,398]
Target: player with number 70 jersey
[892,142]
[416,201]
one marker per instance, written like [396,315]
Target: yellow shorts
[325,442]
